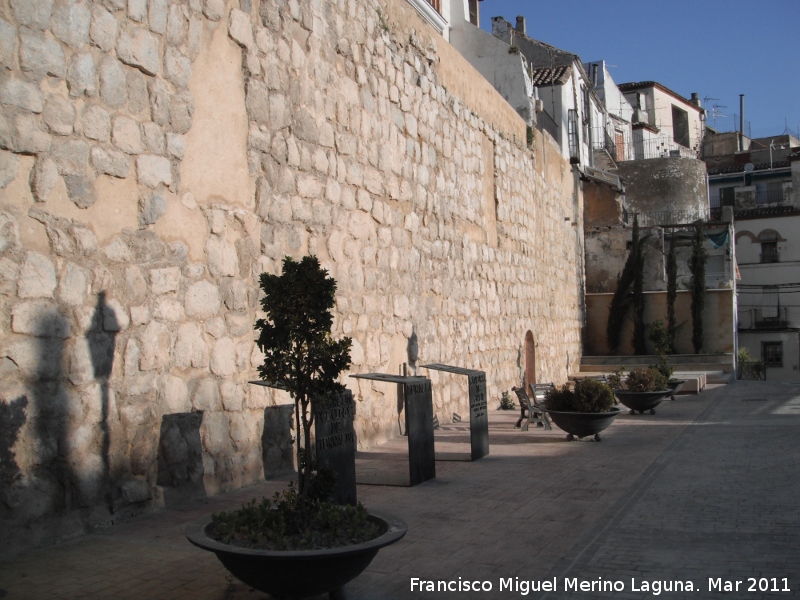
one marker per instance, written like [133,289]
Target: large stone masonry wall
[158,155]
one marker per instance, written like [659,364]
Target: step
[696,381]
[685,361]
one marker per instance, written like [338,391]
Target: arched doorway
[530,360]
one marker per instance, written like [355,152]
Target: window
[680,126]
[772,354]
[770,304]
[769,252]
[727,196]
[573,133]
[436,4]
[474,15]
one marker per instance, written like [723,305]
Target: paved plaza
[705,489]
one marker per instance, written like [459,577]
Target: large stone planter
[641,401]
[578,425]
[300,573]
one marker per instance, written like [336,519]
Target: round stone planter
[675,386]
[298,573]
[641,401]
[578,425]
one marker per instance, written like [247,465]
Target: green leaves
[295,337]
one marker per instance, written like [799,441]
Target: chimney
[501,29]
[520,28]
[696,100]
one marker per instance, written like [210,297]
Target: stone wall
[665,184]
[158,155]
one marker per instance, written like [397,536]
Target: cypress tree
[622,296]
[637,254]
[697,265]
[672,292]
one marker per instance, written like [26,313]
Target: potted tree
[644,390]
[301,543]
[583,411]
[660,337]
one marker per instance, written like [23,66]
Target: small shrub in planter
[589,396]
[585,411]
[294,522]
[645,380]
[506,403]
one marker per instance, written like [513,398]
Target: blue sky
[719,49]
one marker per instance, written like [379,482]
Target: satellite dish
[749,167]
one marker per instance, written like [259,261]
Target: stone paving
[703,489]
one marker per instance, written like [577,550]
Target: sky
[717,48]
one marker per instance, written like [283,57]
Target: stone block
[9,165]
[59,115]
[18,92]
[138,96]
[9,232]
[39,319]
[137,10]
[74,286]
[111,162]
[80,190]
[165,280]
[37,277]
[181,107]
[44,177]
[232,396]
[115,316]
[152,207]
[206,397]
[117,251]
[168,309]
[157,16]
[280,115]
[202,300]
[71,23]
[191,349]
[221,255]
[33,13]
[126,135]
[113,83]
[27,137]
[9,272]
[177,67]
[154,170]
[8,43]
[96,123]
[156,345]
[241,29]
[139,48]
[85,239]
[103,29]
[153,137]
[214,9]
[257,101]
[40,55]
[173,395]
[236,294]
[177,25]
[71,157]
[239,324]
[223,357]
[159,101]
[82,75]
[176,145]
[140,315]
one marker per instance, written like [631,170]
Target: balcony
[766,319]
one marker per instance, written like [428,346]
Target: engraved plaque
[335,443]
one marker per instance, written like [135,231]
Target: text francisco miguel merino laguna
[573,584]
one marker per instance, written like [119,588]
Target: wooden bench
[530,410]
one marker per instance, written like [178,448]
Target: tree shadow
[180,458]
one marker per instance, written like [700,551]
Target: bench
[530,410]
